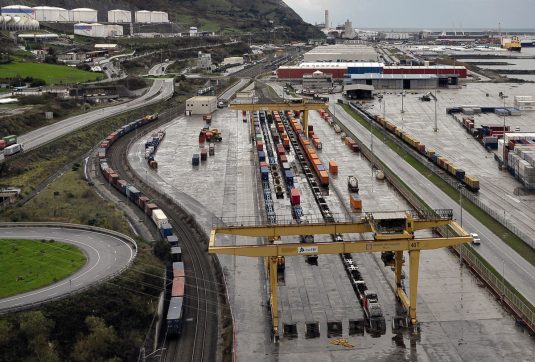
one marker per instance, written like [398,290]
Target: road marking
[514,199]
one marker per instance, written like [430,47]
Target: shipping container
[355,201]
[178,269]
[176,253]
[13,149]
[195,160]
[2,144]
[159,217]
[177,289]
[295,196]
[324,178]
[166,230]
[173,241]
[132,193]
[204,154]
[333,167]
[264,171]
[10,140]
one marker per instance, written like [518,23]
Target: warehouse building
[336,70]
[340,53]
[201,105]
[317,82]
[440,70]
[96,30]
[83,15]
[119,16]
[395,81]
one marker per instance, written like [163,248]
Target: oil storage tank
[96,30]
[16,23]
[83,15]
[17,10]
[51,14]
[119,16]
[159,17]
[143,16]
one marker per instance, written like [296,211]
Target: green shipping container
[10,140]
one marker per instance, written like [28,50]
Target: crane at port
[256,104]
[392,232]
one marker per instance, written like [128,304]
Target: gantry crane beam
[283,106]
[357,227]
[396,243]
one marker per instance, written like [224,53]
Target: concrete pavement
[516,269]
[106,256]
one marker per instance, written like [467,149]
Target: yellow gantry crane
[254,104]
[392,232]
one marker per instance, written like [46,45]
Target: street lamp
[503,97]
[460,187]
[402,103]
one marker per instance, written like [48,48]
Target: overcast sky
[420,13]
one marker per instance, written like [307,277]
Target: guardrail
[119,235]
[498,285]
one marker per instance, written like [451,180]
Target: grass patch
[31,264]
[498,229]
[50,73]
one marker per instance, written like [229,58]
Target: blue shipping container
[132,193]
[166,230]
[261,156]
[265,173]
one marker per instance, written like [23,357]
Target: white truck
[11,150]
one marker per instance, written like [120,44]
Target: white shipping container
[159,217]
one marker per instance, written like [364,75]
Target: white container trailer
[119,16]
[159,17]
[11,150]
[51,14]
[159,217]
[83,15]
[143,16]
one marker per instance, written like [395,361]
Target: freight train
[471,182]
[157,216]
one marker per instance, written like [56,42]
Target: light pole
[460,187]
[503,97]
[503,278]
[402,103]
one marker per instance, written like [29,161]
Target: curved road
[517,271]
[161,89]
[106,256]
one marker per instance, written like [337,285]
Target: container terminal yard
[295,228]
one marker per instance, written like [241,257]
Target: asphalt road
[503,258]
[106,255]
[229,93]
[160,90]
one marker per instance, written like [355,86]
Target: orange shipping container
[333,167]
[355,201]
[324,178]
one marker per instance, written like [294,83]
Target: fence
[473,260]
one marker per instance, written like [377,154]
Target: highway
[161,89]
[229,93]
[106,256]
[519,272]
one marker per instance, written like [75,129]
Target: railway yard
[203,188]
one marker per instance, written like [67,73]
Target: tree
[6,332]
[97,344]
[36,327]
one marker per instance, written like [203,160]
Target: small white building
[204,60]
[201,105]
[192,31]
[119,16]
[96,30]
[233,61]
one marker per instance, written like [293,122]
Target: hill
[230,16]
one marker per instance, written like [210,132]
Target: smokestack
[327,21]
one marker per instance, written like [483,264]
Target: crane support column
[398,263]
[414,265]
[305,122]
[274,299]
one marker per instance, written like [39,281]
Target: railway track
[198,341]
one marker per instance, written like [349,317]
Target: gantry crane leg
[398,263]
[274,295]
[414,266]
[305,121]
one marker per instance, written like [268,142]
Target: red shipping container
[149,207]
[310,134]
[295,196]
[178,287]
[263,164]
[178,273]
[283,158]
[202,137]
[2,144]
[142,201]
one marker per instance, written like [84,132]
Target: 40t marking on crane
[307,249]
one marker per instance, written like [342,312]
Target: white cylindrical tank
[8,22]
[97,30]
[17,10]
[159,17]
[119,16]
[50,13]
[83,29]
[83,15]
[143,16]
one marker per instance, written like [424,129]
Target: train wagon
[174,316]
